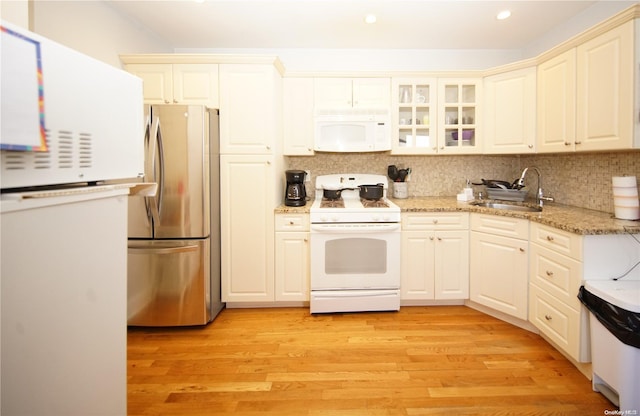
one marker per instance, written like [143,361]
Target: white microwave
[352,131]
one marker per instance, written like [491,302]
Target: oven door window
[355,256]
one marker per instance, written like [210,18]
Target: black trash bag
[623,324]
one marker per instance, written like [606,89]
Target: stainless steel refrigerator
[174,237]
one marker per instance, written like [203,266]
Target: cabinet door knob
[435,221]
[578,142]
[439,238]
[431,238]
[268,147]
[548,317]
[290,222]
[530,146]
[166,101]
[521,250]
[549,273]
[567,144]
[549,238]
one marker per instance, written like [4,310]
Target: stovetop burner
[332,203]
[374,203]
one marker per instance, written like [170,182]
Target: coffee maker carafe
[296,194]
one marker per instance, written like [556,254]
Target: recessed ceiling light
[370,18]
[503,15]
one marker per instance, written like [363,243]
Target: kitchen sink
[508,207]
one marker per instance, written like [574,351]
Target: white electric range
[355,247]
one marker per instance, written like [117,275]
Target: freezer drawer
[169,283]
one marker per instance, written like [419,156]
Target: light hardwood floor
[445,360]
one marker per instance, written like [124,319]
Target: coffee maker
[296,194]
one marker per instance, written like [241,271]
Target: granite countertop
[563,217]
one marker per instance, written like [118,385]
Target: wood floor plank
[418,361]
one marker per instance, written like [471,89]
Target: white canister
[625,198]
[400,190]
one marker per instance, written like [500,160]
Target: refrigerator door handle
[155,146]
[164,250]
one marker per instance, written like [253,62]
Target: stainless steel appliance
[355,247]
[174,237]
[296,194]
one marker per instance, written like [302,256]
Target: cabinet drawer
[436,220]
[498,225]
[557,240]
[556,320]
[557,274]
[292,222]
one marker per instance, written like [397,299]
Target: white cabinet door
[418,271]
[459,116]
[196,84]
[157,81]
[371,93]
[246,216]
[298,126]
[178,83]
[452,265]
[250,108]
[605,91]
[510,112]
[348,93]
[498,273]
[292,266]
[435,256]
[557,103]
[333,93]
[414,116]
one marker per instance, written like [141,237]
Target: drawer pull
[549,273]
[549,238]
[548,317]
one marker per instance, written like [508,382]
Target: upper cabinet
[510,112]
[459,116]
[348,93]
[414,115]
[432,116]
[586,95]
[250,102]
[605,91]
[166,83]
[297,109]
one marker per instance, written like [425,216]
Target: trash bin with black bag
[614,320]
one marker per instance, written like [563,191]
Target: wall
[582,180]
[93,28]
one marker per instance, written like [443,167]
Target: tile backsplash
[577,179]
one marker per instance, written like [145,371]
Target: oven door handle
[355,228]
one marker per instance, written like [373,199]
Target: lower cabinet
[556,275]
[499,263]
[292,266]
[248,198]
[435,256]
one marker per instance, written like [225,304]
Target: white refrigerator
[63,227]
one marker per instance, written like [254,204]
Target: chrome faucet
[540,198]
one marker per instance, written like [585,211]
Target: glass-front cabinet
[459,114]
[414,115]
[432,116]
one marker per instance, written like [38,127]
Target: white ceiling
[331,24]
